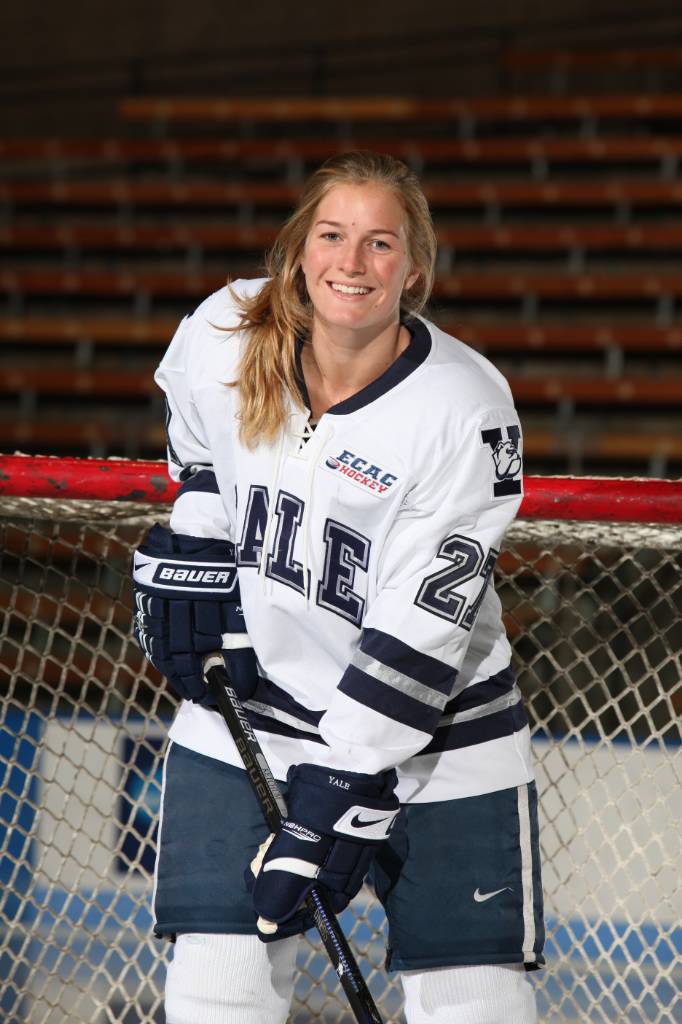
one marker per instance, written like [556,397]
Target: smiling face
[356,261]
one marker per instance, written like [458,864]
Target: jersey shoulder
[463,376]
[205,347]
[221,309]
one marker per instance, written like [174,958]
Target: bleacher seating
[559,229]
[74,382]
[58,330]
[97,436]
[512,238]
[542,389]
[596,57]
[462,113]
[110,194]
[147,284]
[495,339]
[558,67]
[60,156]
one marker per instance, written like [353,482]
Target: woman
[359,468]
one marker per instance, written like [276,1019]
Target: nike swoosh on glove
[336,823]
[188,605]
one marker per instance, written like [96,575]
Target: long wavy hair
[281,311]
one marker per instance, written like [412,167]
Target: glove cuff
[351,805]
[362,784]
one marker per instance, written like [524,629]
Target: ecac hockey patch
[361,472]
[506,459]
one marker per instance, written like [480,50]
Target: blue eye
[330,236]
[379,243]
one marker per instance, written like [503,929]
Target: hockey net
[593,609]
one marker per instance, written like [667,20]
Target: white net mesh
[594,616]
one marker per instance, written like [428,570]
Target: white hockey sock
[230,979]
[487,994]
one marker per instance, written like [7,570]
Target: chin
[358,323]
[344,317]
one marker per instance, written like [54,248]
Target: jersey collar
[407,362]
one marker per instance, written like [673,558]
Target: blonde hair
[280,313]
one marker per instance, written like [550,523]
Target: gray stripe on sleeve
[507,700]
[399,681]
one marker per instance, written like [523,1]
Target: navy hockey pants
[459,879]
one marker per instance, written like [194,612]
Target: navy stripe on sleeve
[483,692]
[271,709]
[479,730]
[275,697]
[400,657]
[488,710]
[203,480]
[389,701]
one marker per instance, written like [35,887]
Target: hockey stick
[274,809]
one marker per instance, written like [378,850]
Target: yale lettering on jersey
[346,551]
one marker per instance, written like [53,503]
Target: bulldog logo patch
[506,459]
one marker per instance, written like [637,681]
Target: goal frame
[604,499]
[51,504]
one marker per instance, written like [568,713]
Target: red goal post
[577,498]
[590,578]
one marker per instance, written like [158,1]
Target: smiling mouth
[349,289]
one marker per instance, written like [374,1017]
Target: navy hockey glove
[187,606]
[336,822]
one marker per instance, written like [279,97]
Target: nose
[352,259]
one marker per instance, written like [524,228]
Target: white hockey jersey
[365,551]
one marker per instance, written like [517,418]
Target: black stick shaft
[274,809]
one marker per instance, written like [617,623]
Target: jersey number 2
[439,591]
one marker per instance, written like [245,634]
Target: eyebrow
[372,231]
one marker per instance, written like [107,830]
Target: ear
[410,280]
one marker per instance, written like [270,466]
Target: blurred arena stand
[133,181]
[551,163]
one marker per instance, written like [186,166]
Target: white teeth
[347,289]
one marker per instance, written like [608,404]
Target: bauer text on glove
[187,605]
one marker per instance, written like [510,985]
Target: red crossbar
[583,498]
